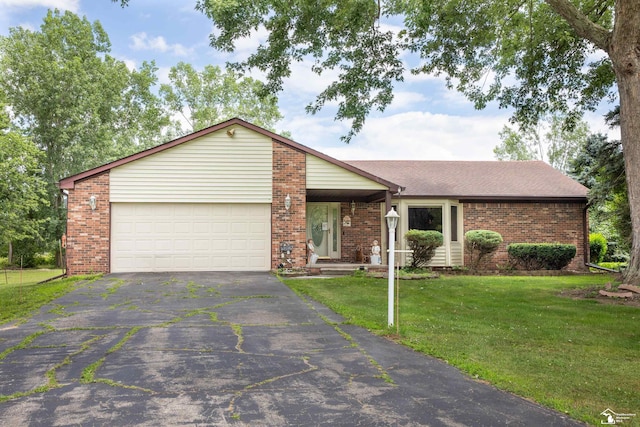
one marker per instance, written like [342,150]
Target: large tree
[22,188]
[72,98]
[78,104]
[534,56]
[204,98]
[600,166]
[554,143]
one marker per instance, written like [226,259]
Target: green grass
[576,356]
[18,300]
[26,277]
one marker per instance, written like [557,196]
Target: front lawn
[20,293]
[578,356]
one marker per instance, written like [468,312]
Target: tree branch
[581,24]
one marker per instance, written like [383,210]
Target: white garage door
[190,237]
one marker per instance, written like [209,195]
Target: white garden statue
[375,254]
[313,256]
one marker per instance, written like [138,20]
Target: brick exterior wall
[88,232]
[528,223]
[365,228]
[289,177]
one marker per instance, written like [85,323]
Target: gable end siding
[214,168]
[322,175]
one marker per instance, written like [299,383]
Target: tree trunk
[624,52]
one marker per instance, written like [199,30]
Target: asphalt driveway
[227,348]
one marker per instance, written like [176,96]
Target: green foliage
[79,105]
[538,62]
[559,145]
[619,266]
[22,188]
[480,244]
[597,247]
[212,96]
[537,256]
[600,167]
[25,253]
[343,37]
[423,243]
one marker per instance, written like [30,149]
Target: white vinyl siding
[190,237]
[457,255]
[214,168]
[439,258]
[322,175]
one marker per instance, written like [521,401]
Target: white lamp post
[392,222]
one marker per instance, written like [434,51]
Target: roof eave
[68,183]
[555,199]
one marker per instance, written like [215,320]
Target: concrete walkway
[227,348]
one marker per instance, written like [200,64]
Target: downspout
[585,230]
[64,257]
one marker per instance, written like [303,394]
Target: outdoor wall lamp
[353,208]
[231,132]
[287,203]
[93,202]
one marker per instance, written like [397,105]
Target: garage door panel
[190,237]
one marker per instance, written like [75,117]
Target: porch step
[330,269]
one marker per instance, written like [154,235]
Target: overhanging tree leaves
[533,56]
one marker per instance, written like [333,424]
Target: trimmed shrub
[597,247]
[481,244]
[424,244]
[541,256]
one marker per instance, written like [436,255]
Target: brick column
[88,231]
[365,228]
[289,178]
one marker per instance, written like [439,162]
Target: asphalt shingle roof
[475,179]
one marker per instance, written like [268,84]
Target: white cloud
[597,124]
[419,136]
[71,5]
[163,75]
[404,99]
[129,63]
[141,41]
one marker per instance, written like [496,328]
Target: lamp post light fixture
[392,222]
[287,203]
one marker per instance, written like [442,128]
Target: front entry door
[323,227]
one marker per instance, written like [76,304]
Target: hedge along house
[238,197]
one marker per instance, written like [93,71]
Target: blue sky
[426,120]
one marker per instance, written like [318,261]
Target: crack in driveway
[226,348]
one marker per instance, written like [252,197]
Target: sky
[426,121]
